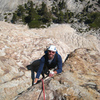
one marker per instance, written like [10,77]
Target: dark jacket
[57,61]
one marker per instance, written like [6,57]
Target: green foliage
[93,19]
[46,18]
[81,0]
[76,0]
[56,0]
[33,19]
[43,9]
[41,16]
[25,5]
[14,18]
[61,5]
[85,10]
[33,16]
[35,24]
[9,13]
[6,20]
[68,15]
[5,13]
[60,18]
[44,13]
[20,10]
[5,17]
[90,6]
[55,10]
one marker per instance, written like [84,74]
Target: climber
[51,60]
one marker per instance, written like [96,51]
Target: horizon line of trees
[40,16]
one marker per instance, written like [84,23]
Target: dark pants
[34,66]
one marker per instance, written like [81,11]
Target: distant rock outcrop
[20,45]
[75,6]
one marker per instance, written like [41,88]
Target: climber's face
[51,54]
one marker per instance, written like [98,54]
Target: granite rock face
[19,46]
[80,79]
[75,6]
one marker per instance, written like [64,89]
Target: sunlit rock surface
[19,46]
[80,79]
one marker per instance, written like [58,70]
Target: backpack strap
[56,55]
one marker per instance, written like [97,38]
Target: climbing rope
[43,89]
[51,74]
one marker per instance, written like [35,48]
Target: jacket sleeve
[59,64]
[42,62]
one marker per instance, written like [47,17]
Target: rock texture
[80,80]
[75,6]
[19,46]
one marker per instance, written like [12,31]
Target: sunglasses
[51,51]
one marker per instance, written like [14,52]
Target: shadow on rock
[34,66]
